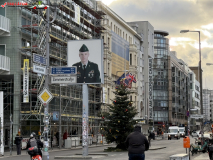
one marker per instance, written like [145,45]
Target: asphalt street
[172,147]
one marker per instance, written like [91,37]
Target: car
[194,134]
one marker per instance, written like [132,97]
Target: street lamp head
[184,31]
[208,64]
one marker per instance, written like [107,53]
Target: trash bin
[179,157]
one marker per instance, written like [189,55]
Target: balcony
[4,64]
[5,25]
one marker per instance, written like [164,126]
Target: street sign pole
[46,122]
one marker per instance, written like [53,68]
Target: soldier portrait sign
[87,56]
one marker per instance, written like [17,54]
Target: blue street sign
[64,70]
[39,59]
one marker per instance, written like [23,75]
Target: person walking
[137,144]
[65,137]
[18,140]
[151,136]
[57,137]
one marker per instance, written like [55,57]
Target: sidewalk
[203,156]
[54,149]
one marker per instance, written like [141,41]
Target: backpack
[33,149]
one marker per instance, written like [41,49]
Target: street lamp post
[200,76]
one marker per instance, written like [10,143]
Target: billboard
[87,56]
[26,81]
[120,54]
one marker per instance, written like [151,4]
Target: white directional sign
[196,116]
[39,69]
[45,96]
[63,80]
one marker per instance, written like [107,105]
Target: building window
[130,59]
[190,77]
[2,50]
[190,85]
[2,11]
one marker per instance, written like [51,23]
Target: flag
[119,79]
[132,77]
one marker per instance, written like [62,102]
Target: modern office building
[195,99]
[179,90]
[160,78]
[207,107]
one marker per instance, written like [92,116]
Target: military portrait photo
[86,55]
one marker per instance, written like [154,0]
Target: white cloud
[208,26]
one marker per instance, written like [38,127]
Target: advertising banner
[150,89]
[77,14]
[120,54]
[55,116]
[87,56]
[26,81]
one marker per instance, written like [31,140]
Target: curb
[157,148]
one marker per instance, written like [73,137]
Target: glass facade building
[160,77]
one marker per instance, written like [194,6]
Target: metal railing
[4,63]
[5,24]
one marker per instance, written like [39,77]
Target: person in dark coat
[151,136]
[39,144]
[18,140]
[57,137]
[65,137]
[137,144]
[87,71]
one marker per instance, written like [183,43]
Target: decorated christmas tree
[119,120]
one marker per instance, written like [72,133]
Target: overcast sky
[173,16]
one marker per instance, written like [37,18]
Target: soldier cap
[83,48]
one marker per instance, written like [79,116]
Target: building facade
[160,78]
[123,54]
[147,30]
[207,110]
[195,99]
[179,91]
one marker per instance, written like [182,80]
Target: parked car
[195,134]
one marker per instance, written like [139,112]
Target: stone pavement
[203,156]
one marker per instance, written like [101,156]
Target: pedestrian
[18,140]
[151,136]
[65,137]
[136,144]
[210,150]
[57,137]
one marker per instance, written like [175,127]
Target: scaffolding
[64,28]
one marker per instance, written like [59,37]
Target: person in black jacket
[39,144]
[18,140]
[137,144]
